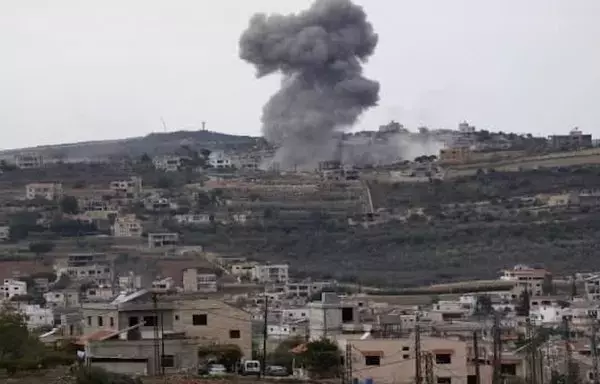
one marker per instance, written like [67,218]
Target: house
[99,293]
[48,191]
[271,273]
[158,240]
[193,281]
[526,277]
[130,282]
[127,226]
[127,326]
[455,155]
[29,160]
[218,159]
[163,285]
[36,315]
[156,204]
[243,269]
[131,188]
[168,163]
[4,233]
[64,298]
[574,140]
[12,288]
[194,219]
[592,287]
[94,267]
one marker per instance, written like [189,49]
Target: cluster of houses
[117,319]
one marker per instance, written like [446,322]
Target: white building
[48,191]
[194,219]
[294,314]
[158,240]
[30,160]
[64,298]
[130,282]
[218,159]
[526,277]
[12,288]
[243,269]
[163,285]
[131,188]
[168,163]
[37,316]
[592,287]
[271,273]
[4,233]
[100,293]
[199,282]
[127,226]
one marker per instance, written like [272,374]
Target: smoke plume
[320,52]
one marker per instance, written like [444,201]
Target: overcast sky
[73,70]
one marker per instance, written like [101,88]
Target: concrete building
[194,219]
[526,277]
[4,233]
[126,327]
[574,140]
[163,285]
[131,188]
[271,273]
[592,287]
[168,163]
[159,240]
[37,316]
[127,226]
[63,298]
[48,191]
[199,282]
[393,360]
[11,288]
[94,267]
[99,293]
[130,282]
[218,159]
[455,155]
[243,269]
[325,317]
[29,160]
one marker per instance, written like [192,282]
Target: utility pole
[497,362]
[418,373]
[476,357]
[568,362]
[263,365]
[429,378]
[347,377]
[157,356]
[531,352]
[594,344]
[162,343]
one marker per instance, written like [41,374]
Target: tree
[205,153]
[69,205]
[283,353]
[322,358]
[18,348]
[483,305]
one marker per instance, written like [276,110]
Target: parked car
[276,370]
[217,370]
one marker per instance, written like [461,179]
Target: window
[150,321]
[443,358]
[372,360]
[100,321]
[405,348]
[112,322]
[347,315]
[199,319]
[89,321]
[168,361]
[444,380]
[234,334]
[406,357]
[176,317]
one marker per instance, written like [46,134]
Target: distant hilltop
[152,144]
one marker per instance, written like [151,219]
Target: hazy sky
[74,70]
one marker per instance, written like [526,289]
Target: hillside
[154,144]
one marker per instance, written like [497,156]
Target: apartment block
[271,273]
[159,240]
[12,287]
[127,226]
[526,278]
[48,191]
[131,188]
[29,160]
[193,281]
[63,298]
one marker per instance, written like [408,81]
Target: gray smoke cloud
[320,52]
